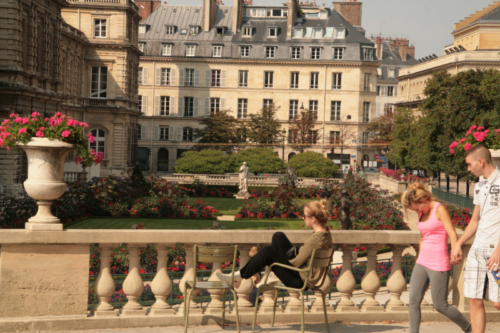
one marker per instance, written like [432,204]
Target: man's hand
[494,261]
[456,255]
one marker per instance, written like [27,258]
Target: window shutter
[180,113]
[157,133]
[144,106]
[207,107]
[181,76]
[179,133]
[223,78]
[223,104]
[195,107]
[157,105]
[196,77]
[158,77]
[377,110]
[143,132]
[172,77]
[208,74]
[145,78]
[172,111]
[171,133]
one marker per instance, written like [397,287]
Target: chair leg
[186,310]
[302,311]
[236,310]
[274,307]
[223,308]
[255,311]
[324,310]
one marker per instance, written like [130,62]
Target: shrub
[311,164]
[259,160]
[205,161]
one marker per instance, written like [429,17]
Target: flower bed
[402,175]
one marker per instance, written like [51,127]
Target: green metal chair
[319,259]
[211,254]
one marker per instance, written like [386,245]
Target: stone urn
[45,181]
[495,156]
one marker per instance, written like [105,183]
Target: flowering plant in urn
[18,129]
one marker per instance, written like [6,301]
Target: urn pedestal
[45,181]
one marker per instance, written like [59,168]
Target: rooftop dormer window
[184,31]
[277,12]
[247,31]
[194,29]
[220,31]
[143,28]
[318,33]
[170,30]
[141,47]
[340,33]
[272,32]
[298,32]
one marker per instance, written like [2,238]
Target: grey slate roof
[491,17]
[392,59]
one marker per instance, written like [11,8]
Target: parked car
[371,170]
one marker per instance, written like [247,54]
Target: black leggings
[269,254]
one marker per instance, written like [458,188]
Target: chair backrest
[320,258]
[215,254]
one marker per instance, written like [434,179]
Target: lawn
[226,206]
[126,223]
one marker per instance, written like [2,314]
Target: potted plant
[479,135]
[46,143]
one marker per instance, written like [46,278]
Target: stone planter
[45,181]
[495,156]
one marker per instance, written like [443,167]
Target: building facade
[79,58]
[202,59]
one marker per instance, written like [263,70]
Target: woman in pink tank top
[433,263]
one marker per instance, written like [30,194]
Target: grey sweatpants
[419,282]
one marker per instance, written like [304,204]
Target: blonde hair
[319,210]
[415,194]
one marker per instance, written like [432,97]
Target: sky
[428,24]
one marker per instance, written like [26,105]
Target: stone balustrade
[44,279]
[73,177]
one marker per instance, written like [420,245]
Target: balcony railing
[45,273]
[233,179]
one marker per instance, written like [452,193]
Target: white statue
[244,178]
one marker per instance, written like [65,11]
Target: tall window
[164,105]
[336,81]
[268,79]
[334,137]
[99,82]
[244,51]
[187,134]
[165,77]
[170,30]
[335,111]
[242,108]
[267,103]
[338,53]
[364,137]
[270,51]
[214,105]
[388,108]
[217,51]
[216,76]
[313,107]
[390,91]
[294,80]
[166,49]
[313,82]
[100,28]
[296,52]
[293,109]
[139,132]
[367,54]
[273,32]
[366,112]
[243,79]
[315,52]
[368,82]
[247,32]
[190,50]
[164,133]
[193,30]
[100,139]
[188,107]
[189,79]
[140,104]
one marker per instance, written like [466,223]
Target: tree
[301,131]
[381,129]
[260,160]
[311,164]
[264,127]
[402,136]
[220,132]
[341,138]
[206,161]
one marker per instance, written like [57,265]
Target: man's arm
[456,252]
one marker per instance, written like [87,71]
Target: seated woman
[316,217]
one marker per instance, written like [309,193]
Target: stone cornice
[431,70]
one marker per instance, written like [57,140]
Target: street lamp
[284,134]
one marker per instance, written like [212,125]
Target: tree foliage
[302,134]
[260,160]
[342,136]
[264,127]
[219,132]
[311,164]
[381,129]
[205,161]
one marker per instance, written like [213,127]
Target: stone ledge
[78,323]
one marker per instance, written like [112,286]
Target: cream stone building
[202,59]
[80,58]
[476,45]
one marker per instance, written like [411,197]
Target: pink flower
[82,124]
[22,130]
[480,128]
[91,138]
[452,151]
[35,114]
[454,144]
[18,119]
[78,160]
[25,121]
[498,130]
[41,128]
[39,134]
[12,115]
[66,133]
[472,127]
[46,119]
[58,114]
[462,140]
[467,146]
[7,120]
[72,122]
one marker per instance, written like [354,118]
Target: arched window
[187,134]
[290,156]
[100,138]
[162,159]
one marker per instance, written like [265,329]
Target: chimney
[392,45]
[411,51]
[209,12]
[403,48]
[238,7]
[147,7]
[290,20]
[351,11]
[379,46]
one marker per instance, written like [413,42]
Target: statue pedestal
[242,195]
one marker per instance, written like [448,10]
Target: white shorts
[475,273]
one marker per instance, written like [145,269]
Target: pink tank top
[434,251]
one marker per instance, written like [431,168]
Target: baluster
[459,299]
[188,275]
[161,285]
[215,305]
[268,304]
[104,286]
[346,282]
[396,283]
[294,304]
[371,282]
[133,286]
[317,305]
[246,286]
